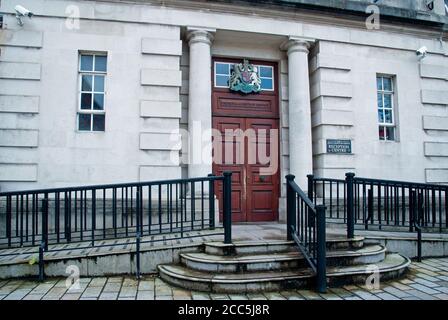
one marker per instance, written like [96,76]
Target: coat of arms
[244,78]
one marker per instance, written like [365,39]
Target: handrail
[111,186]
[402,183]
[302,195]
[306,227]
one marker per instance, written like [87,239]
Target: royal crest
[244,78]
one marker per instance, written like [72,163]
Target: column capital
[200,34]
[297,44]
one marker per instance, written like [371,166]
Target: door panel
[236,165]
[254,195]
[262,189]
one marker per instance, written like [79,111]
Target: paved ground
[426,281]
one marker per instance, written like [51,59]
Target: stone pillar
[300,138]
[199,102]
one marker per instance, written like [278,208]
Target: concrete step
[247,247]
[278,261]
[184,277]
[276,246]
[392,266]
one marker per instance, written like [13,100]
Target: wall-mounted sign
[339,146]
[245,78]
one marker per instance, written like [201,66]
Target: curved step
[339,242]
[248,247]
[234,283]
[241,263]
[270,246]
[393,266]
[356,256]
[277,261]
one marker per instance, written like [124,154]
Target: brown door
[255,195]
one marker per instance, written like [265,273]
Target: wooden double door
[255,194]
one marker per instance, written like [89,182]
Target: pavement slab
[420,284]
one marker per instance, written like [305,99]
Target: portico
[290,82]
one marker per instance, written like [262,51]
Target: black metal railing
[101,212]
[306,227]
[382,204]
[331,193]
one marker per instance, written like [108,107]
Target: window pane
[379,83]
[99,84]
[390,133]
[98,102]
[380,116]
[388,101]
[380,101]
[86,101]
[266,72]
[98,122]
[86,63]
[387,84]
[101,63]
[388,116]
[86,84]
[266,84]
[222,81]
[84,122]
[222,68]
[381,133]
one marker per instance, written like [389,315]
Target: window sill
[389,141]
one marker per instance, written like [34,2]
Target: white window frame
[383,93]
[92,73]
[230,64]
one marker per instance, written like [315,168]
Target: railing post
[138,209]
[139,228]
[8,219]
[211,203]
[412,209]
[349,179]
[369,207]
[321,250]
[41,262]
[419,226]
[44,221]
[227,207]
[290,207]
[94,216]
[311,187]
[137,255]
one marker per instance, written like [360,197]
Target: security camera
[22,12]
[421,53]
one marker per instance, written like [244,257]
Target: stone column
[300,138]
[199,102]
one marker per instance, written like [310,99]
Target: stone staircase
[256,266]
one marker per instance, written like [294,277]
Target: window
[92,78]
[386,116]
[223,71]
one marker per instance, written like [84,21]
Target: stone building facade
[334,81]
